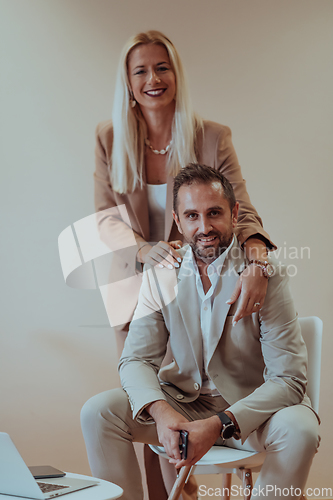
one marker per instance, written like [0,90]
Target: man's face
[205,219]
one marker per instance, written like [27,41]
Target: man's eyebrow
[217,207]
[191,210]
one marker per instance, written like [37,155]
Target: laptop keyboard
[48,487]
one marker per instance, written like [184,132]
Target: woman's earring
[132,100]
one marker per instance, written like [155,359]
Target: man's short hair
[195,173]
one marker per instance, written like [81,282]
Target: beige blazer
[258,366]
[214,148]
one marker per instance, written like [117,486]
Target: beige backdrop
[262,67]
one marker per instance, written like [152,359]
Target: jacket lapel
[139,203]
[168,209]
[187,300]
[233,265]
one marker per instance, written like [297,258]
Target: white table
[103,491]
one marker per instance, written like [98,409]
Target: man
[245,382]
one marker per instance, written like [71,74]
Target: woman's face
[151,77]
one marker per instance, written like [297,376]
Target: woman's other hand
[163,254]
[251,287]
[252,284]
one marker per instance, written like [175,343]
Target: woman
[153,134]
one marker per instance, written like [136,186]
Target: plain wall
[263,67]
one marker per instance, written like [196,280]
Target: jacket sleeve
[285,357]
[226,161]
[144,350]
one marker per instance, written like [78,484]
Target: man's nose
[205,226]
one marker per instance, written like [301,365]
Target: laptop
[16,479]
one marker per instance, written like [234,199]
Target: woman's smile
[155,92]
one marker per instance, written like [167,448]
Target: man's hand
[168,421]
[202,435]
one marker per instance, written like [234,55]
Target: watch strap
[225,420]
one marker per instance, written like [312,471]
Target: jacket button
[196,386]
[180,396]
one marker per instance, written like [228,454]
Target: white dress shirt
[206,302]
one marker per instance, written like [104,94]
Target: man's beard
[210,253]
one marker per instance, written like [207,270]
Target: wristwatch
[266,267]
[228,427]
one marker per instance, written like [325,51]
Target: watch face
[228,431]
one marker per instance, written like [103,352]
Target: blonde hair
[129,126]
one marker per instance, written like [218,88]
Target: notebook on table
[16,479]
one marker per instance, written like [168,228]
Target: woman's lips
[155,92]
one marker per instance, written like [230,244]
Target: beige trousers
[157,474]
[290,438]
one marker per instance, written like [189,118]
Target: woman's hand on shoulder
[251,289]
[163,254]
[251,286]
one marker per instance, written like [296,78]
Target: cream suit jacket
[214,148]
[258,366]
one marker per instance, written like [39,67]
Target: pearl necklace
[156,151]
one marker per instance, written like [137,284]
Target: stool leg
[155,483]
[246,477]
[226,486]
[180,482]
